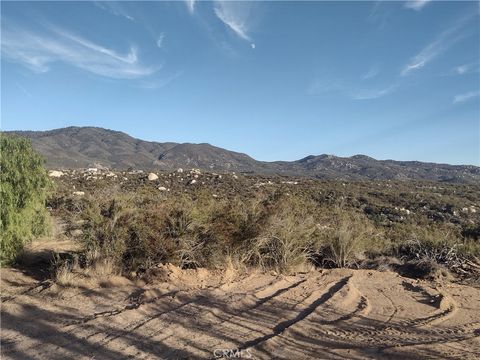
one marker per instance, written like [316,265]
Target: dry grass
[347,238]
[67,273]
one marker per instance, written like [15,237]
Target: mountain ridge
[81,147]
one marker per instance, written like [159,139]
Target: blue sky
[276,80]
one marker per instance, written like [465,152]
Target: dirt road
[198,314]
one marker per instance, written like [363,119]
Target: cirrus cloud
[114,8]
[438,46]
[466,68]
[416,5]
[460,98]
[39,51]
[236,16]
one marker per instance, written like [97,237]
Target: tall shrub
[23,186]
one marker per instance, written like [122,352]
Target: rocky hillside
[80,147]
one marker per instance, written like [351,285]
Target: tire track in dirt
[277,284]
[352,296]
[116,311]
[395,308]
[79,324]
[362,308]
[282,326]
[215,307]
[446,308]
[135,303]
[300,316]
[392,337]
[404,333]
[270,292]
[114,333]
[398,335]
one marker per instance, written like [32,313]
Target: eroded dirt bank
[200,314]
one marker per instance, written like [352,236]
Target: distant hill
[80,147]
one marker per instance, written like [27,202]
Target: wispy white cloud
[466,68]
[429,53]
[236,16]
[130,58]
[114,8]
[38,51]
[160,40]
[460,98]
[190,5]
[416,5]
[444,41]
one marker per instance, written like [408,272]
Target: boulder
[152,176]
[55,173]
[162,188]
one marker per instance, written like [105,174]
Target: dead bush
[441,245]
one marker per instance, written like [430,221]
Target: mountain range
[81,147]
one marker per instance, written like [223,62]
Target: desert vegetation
[205,220]
[23,189]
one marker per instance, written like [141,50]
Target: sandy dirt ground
[190,314]
[200,314]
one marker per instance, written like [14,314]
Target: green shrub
[23,189]
[135,237]
[346,237]
[285,237]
